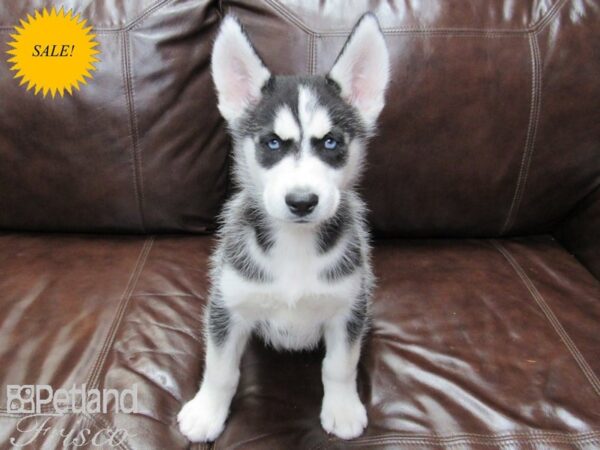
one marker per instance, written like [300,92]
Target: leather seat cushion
[473,344]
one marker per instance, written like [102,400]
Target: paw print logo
[20,399]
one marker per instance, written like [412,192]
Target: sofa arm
[580,232]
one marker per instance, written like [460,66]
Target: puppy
[293,260]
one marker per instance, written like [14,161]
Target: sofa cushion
[109,313]
[474,344]
[140,148]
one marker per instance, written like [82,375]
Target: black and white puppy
[292,263]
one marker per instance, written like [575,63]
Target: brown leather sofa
[484,190]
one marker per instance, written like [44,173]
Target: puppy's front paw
[344,416]
[203,418]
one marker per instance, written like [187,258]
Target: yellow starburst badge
[53,52]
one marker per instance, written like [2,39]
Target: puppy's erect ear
[362,68]
[238,72]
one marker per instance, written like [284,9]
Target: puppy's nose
[301,203]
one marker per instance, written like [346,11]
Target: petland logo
[39,405]
[41,398]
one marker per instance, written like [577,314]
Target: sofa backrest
[491,126]
[141,148]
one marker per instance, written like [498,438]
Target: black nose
[301,203]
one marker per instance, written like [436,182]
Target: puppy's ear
[237,71]
[362,68]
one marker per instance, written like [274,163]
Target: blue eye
[330,144]
[274,144]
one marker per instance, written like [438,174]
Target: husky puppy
[292,263]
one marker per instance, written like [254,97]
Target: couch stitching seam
[126,26]
[313,53]
[534,114]
[551,317]
[151,10]
[309,38]
[317,37]
[102,425]
[434,32]
[289,15]
[121,308]
[136,21]
[85,421]
[592,434]
[502,444]
[138,184]
[544,21]
[473,438]
[168,294]
[534,28]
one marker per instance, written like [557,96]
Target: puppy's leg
[203,418]
[342,412]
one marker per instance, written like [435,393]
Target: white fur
[297,303]
[362,70]
[303,172]
[313,117]
[237,71]
[203,418]
[285,125]
[342,412]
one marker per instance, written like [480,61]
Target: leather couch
[484,189]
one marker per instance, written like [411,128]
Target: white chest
[290,310]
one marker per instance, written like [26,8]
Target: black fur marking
[345,117]
[358,318]
[267,157]
[331,82]
[238,255]
[256,220]
[346,265]
[335,158]
[329,233]
[219,321]
[277,92]
[268,86]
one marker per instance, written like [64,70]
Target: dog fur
[293,259]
